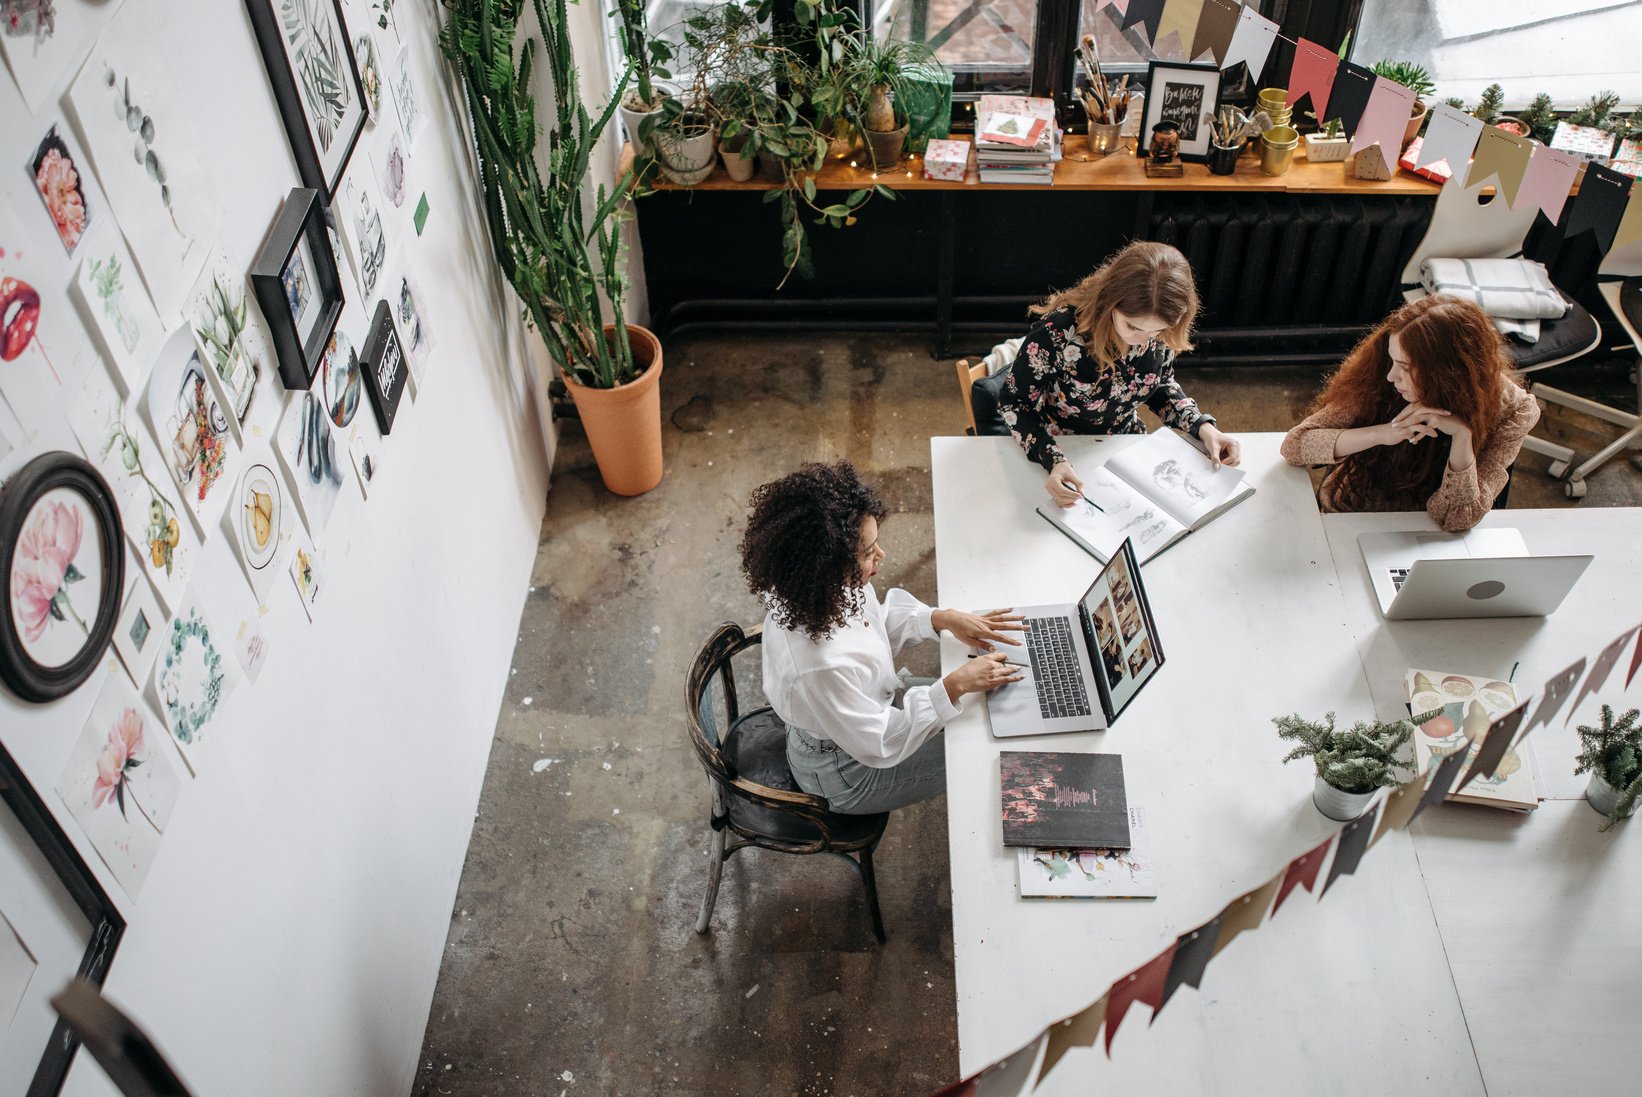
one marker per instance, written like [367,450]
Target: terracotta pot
[737,161]
[1415,120]
[884,146]
[623,424]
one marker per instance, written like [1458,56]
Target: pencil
[1007,663]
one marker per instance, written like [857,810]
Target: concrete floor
[572,964]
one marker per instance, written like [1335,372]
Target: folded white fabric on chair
[1002,356]
[1525,331]
[1514,289]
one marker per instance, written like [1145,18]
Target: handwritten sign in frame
[1172,89]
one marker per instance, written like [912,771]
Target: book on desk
[1074,873]
[1063,799]
[1464,706]
[1154,493]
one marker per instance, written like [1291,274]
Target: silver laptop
[1481,573]
[1066,686]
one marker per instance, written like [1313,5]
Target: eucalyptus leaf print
[320,65]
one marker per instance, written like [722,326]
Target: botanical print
[365,234]
[137,631]
[251,647]
[56,577]
[370,74]
[261,519]
[57,172]
[34,19]
[121,783]
[112,291]
[192,680]
[306,575]
[410,311]
[230,335]
[319,61]
[340,379]
[390,169]
[42,40]
[192,427]
[308,449]
[405,99]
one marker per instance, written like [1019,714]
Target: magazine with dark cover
[1063,799]
[1153,493]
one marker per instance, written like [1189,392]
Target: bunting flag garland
[1353,843]
[1599,205]
[1251,43]
[1302,872]
[1148,13]
[1009,1077]
[1081,1029]
[1192,951]
[1179,19]
[1144,984]
[1496,743]
[1215,28]
[1605,662]
[1546,183]
[1556,691]
[1313,75]
[1245,912]
[1385,119]
[1503,156]
[1630,225]
[1450,135]
[1348,100]
[1636,661]
[1401,806]
[1120,5]
[1443,775]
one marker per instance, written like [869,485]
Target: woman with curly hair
[1438,369]
[1100,350]
[858,732]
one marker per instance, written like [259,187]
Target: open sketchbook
[1092,873]
[1466,704]
[1153,493]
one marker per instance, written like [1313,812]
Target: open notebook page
[1177,476]
[1110,511]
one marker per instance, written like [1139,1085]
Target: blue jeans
[822,768]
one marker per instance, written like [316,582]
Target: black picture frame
[299,326]
[88,896]
[1164,103]
[384,368]
[29,679]
[329,79]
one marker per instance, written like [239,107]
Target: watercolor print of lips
[19,316]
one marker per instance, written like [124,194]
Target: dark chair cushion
[757,747]
[983,403]
[1630,301]
[1569,334]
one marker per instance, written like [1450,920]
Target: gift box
[946,160]
[1437,172]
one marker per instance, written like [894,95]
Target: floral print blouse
[1057,387]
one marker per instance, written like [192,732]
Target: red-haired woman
[1426,412]
[1100,350]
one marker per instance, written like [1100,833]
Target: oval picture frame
[39,556]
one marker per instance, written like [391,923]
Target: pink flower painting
[57,180]
[118,759]
[43,568]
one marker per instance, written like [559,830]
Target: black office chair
[754,794]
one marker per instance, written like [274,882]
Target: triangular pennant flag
[1604,664]
[962,1088]
[1496,743]
[1120,5]
[1450,135]
[1148,13]
[1636,661]
[1599,205]
[1399,807]
[1554,696]
[1501,155]
[1180,19]
[1313,75]
[1354,841]
[1442,779]
[1630,225]
[1245,912]
[1302,872]
[1215,28]
[1348,100]
[1144,984]
[1385,119]
[1251,43]
[1079,1030]
[1546,183]
[1009,1076]
[1191,956]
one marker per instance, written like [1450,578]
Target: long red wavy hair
[1459,364]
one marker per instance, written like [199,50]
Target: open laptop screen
[1126,652]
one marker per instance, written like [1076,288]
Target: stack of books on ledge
[1016,139]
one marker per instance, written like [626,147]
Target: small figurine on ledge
[1161,154]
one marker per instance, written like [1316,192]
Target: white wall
[289,934]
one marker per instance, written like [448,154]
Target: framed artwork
[339,379]
[310,63]
[193,678]
[384,368]
[307,446]
[260,519]
[64,575]
[123,317]
[298,287]
[60,175]
[193,429]
[138,630]
[1182,94]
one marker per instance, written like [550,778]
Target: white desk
[1349,996]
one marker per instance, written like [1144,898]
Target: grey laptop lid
[1508,586]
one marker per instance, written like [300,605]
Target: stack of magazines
[1016,139]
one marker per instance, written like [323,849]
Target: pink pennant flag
[1385,119]
[1251,42]
[1450,135]
[1121,5]
[1550,173]
[1313,72]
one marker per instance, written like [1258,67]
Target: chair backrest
[968,374]
[1625,260]
[1467,224]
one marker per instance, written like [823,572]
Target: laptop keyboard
[1399,576]
[1055,668]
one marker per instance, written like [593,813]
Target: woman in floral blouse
[1098,351]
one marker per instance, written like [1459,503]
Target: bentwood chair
[980,382]
[755,801]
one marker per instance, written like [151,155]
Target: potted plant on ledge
[561,252]
[879,69]
[1328,145]
[1612,755]
[1351,765]
[641,106]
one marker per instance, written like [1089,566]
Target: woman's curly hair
[802,549]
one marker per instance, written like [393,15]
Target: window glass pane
[1569,49]
[986,43]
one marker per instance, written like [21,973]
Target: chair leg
[871,882]
[715,872]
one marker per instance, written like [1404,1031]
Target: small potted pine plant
[1418,80]
[1351,765]
[1612,754]
[1329,144]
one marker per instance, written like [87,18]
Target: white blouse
[844,687]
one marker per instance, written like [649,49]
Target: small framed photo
[298,287]
[1188,96]
[310,64]
[385,368]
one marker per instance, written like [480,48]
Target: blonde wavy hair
[1143,279]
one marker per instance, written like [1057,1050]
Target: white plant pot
[685,160]
[1601,795]
[1326,150]
[1343,806]
[638,125]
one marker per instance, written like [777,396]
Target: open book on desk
[1155,493]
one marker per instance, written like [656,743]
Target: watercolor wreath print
[163,534]
[57,179]
[321,68]
[118,760]
[190,683]
[43,569]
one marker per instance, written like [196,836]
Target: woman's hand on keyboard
[980,675]
[979,630]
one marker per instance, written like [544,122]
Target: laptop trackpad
[1015,704]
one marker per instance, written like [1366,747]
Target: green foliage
[557,254]
[1540,118]
[1598,111]
[1454,101]
[1614,750]
[1407,74]
[1358,760]
[1488,107]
